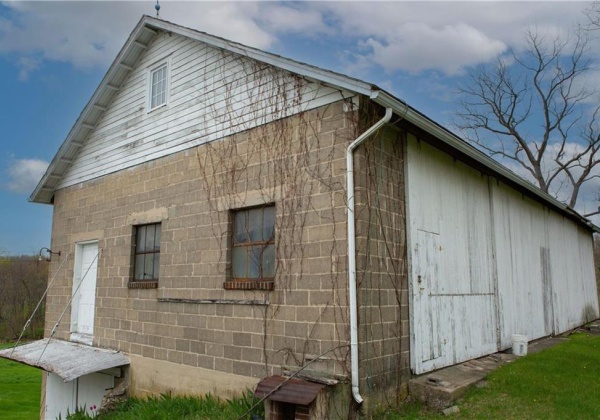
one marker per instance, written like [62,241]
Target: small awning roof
[67,360]
[294,391]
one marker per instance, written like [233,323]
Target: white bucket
[519,344]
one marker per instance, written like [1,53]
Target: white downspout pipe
[352,252]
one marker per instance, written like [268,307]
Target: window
[253,248]
[158,87]
[147,253]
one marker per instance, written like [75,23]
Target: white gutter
[352,252]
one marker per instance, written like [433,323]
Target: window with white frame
[158,86]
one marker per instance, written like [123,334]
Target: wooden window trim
[143,283]
[249,284]
[150,72]
[237,283]
[140,284]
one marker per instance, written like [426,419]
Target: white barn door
[487,262]
[84,293]
[426,311]
[453,305]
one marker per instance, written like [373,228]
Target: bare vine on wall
[286,161]
[382,273]
[288,155]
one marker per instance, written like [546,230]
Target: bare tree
[22,283]
[593,14]
[533,108]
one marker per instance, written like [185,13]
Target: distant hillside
[23,280]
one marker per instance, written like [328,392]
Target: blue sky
[53,55]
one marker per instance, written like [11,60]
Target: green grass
[562,382]
[20,390]
[559,383]
[168,407]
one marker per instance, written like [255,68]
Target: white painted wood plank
[173,142]
[60,397]
[91,389]
[210,98]
[450,201]
[542,261]
[196,113]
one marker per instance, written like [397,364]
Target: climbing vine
[294,157]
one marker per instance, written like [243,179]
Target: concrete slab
[592,328]
[441,388]
[543,344]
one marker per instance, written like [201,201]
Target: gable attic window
[252,249]
[146,259]
[158,86]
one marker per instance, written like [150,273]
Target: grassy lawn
[20,388]
[559,383]
[168,408]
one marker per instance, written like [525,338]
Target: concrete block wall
[299,165]
[382,278]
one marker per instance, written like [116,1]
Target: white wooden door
[427,339]
[84,292]
[452,277]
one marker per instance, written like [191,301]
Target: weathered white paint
[60,396]
[212,94]
[454,314]
[426,269]
[573,291]
[91,388]
[65,397]
[66,359]
[486,263]
[84,292]
[520,235]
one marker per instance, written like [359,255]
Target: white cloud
[24,174]
[418,47]
[290,19]
[407,36]
[231,20]
[27,65]
[446,36]
[89,34]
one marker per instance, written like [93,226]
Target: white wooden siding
[213,94]
[66,397]
[520,233]
[440,194]
[486,263]
[573,296]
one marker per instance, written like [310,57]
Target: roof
[149,27]
[68,360]
[288,390]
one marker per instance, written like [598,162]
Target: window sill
[143,284]
[156,108]
[249,285]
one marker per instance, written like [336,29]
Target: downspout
[352,252]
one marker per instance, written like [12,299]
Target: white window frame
[150,72]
